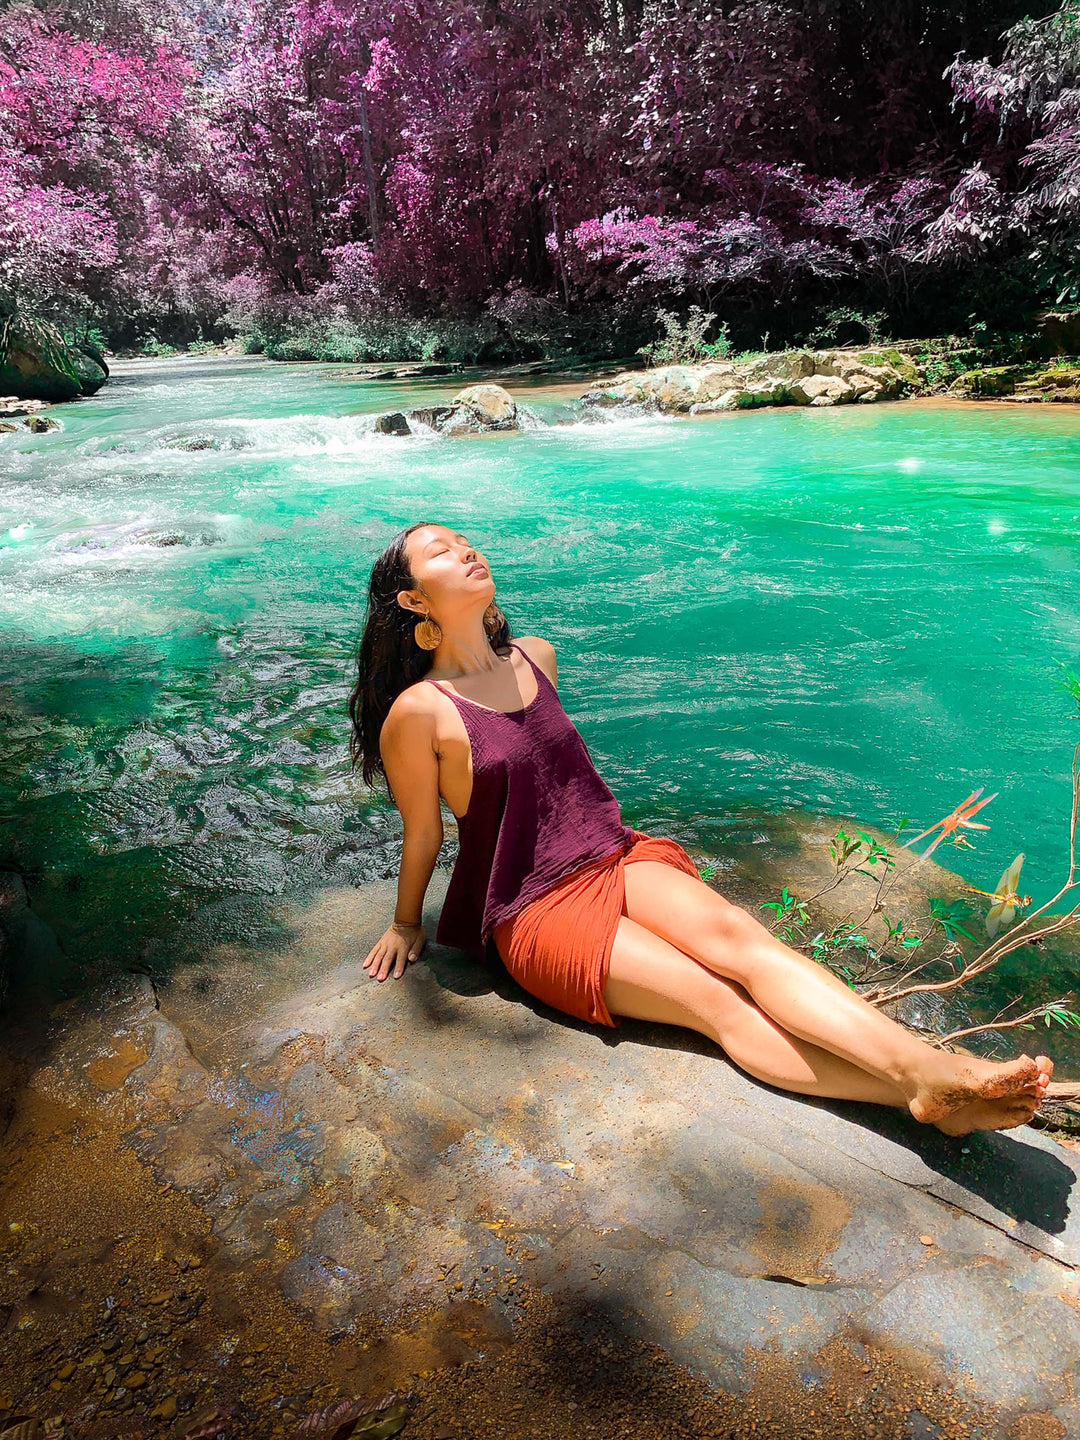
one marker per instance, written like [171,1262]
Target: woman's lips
[477,567]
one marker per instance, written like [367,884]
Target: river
[853,611]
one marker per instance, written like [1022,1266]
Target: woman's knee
[650,979]
[732,939]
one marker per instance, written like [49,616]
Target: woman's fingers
[392,954]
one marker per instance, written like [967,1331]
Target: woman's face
[452,574]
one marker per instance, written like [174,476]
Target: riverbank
[906,370]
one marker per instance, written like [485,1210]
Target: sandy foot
[967,1080]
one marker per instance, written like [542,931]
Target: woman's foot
[957,1081]
[1003,1114]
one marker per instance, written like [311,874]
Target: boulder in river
[473,411]
[39,424]
[91,370]
[35,361]
[393,423]
[481,407]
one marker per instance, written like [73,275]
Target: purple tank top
[537,812]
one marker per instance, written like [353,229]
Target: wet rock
[177,535]
[430,415]
[392,423]
[7,427]
[192,443]
[91,369]
[420,372]
[482,407]
[11,405]
[39,424]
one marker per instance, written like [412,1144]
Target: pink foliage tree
[177,157]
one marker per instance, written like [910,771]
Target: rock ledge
[790,377]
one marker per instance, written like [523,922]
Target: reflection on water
[852,611]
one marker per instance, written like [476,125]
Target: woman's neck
[464,652]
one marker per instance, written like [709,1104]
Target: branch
[1024,1019]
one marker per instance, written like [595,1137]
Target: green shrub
[152,346]
[685,344]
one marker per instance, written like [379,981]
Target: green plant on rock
[838,324]
[938,953]
[685,344]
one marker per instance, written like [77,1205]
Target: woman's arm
[408,744]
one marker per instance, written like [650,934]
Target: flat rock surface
[384,1147]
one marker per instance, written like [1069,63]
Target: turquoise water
[855,611]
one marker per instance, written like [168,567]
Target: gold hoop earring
[428,633]
[493,619]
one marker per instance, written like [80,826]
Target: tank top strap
[542,681]
[543,684]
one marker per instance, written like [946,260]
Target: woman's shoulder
[541,651]
[415,704]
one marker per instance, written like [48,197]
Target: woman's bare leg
[650,979]
[813,1005]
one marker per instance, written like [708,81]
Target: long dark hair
[388,659]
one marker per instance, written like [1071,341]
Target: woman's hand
[399,945]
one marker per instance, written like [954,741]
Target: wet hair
[388,658]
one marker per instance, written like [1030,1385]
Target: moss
[35,362]
[994,380]
[1056,377]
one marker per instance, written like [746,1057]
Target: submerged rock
[791,377]
[194,443]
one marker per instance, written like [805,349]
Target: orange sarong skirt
[558,948]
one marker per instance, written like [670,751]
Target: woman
[589,915]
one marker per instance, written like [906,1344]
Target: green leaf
[1070,682]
